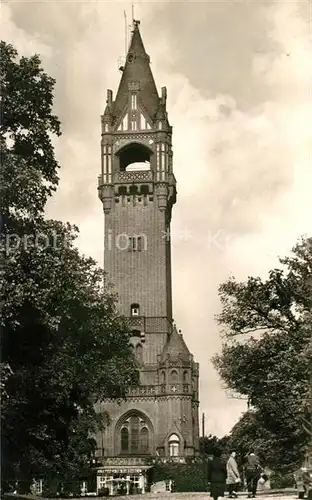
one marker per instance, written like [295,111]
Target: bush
[103,492]
[191,476]
[51,487]
[280,481]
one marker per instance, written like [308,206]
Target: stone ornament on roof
[134,86]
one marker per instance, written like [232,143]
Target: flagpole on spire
[126,33]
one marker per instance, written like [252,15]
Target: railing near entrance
[168,460]
[137,460]
[125,461]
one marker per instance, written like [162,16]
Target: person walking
[233,477]
[253,474]
[217,475]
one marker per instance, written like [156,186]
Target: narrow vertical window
[158,161]
[144,440]
[139,244]
[133,102]
[163,161]
[130,243]
[109,164]
[135,430]
[124,437]
[135,310]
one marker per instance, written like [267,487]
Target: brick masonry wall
[139,277]
[164,413]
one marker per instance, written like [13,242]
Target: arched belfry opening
[134,157]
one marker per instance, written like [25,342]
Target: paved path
[287,495]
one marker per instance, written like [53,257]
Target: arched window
[174,445]
[135,310]
[139,352]
[163,378]
[144,440]
[134,436]
[124,435]
[185,376]
[174,376]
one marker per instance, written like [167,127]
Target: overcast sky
[238,76]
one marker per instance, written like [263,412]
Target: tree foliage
[191,476]
[209,444]
[272,367]
[63,346]
[27,127]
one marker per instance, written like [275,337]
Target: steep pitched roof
[176,346]
[137,69]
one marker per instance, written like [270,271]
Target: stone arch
[174,431]
[136,152]
[174,445]
[134,434]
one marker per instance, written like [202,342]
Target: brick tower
[138,190]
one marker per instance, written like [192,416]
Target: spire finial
[126,33]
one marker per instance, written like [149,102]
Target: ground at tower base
[205,496]
[280,494]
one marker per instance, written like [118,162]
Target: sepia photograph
[156,249]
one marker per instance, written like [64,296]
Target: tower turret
[137,187]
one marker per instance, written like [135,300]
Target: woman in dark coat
[217,475]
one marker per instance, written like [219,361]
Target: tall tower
[138,190]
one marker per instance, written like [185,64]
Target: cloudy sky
[238,75]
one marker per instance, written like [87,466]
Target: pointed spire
[176,346]
[137,74]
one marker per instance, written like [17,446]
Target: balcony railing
[138,176]
[158,390]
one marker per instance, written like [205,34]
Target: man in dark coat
[217,475]
[253,474]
